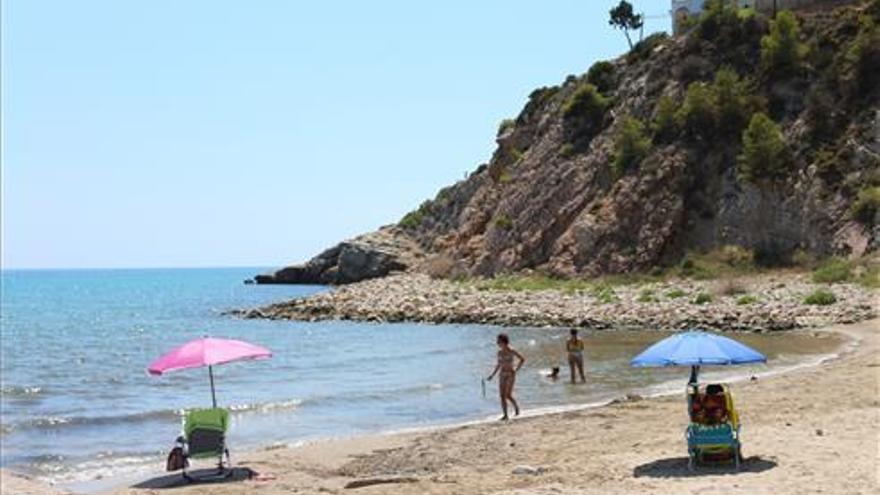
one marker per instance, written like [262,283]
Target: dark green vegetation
[584,114]
[782,52]
[867,205]
[837,270]
[747,299]
[601,75]
[702,298]
[764,153]
[820,297]
[631,145]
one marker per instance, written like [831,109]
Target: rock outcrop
[368,256]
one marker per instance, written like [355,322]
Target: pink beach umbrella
[207,351]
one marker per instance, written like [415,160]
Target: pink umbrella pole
[211,377]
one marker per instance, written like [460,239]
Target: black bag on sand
[176,461]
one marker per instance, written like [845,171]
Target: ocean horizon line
[4,269]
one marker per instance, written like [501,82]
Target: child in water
[507,376]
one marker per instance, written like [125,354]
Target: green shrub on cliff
[732,33]
[586,103]
[782,52]
[631,145]
[601,75]
[765,154]
[698,113]
[584,114]
[862,58]
[718,19]
[720,108]
[866,205]
[664,125]
[733,101]
[857,70]
[414,218]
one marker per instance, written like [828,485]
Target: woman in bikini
[575,348]
[507,376]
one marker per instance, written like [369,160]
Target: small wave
[21,392]
[57,422]
[266,407]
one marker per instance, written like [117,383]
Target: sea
[77,404]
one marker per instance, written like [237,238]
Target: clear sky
[214,133]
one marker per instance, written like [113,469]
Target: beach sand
[813,430]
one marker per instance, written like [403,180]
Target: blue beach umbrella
[696,348]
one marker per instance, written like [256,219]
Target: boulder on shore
[369,256]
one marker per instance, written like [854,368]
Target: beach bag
[176,461]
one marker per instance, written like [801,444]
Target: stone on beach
[420,298]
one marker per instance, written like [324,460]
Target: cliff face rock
[550,198]
[368,256]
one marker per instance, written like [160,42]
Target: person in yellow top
[575,348]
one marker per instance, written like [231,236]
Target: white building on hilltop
[682,10]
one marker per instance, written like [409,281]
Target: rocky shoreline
[775,302]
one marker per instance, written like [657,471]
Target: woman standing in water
[575,348]
[507,376]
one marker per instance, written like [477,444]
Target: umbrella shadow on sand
[677,467]
[176,480]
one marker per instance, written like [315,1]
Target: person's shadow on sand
[176,480]
[677,467]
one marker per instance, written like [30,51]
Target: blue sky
[166,133]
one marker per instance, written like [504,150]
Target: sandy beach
[813,430]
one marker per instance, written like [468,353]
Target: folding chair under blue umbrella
[695,349]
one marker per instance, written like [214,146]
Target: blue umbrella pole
[695,370]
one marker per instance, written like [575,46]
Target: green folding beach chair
[204,436]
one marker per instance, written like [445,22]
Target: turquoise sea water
[77,404]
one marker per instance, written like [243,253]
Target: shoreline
[848,345]
[833,407]
[775,302]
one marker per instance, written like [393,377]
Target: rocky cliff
[745,131]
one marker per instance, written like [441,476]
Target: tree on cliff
[781,50]
[622,17]
[765,154]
